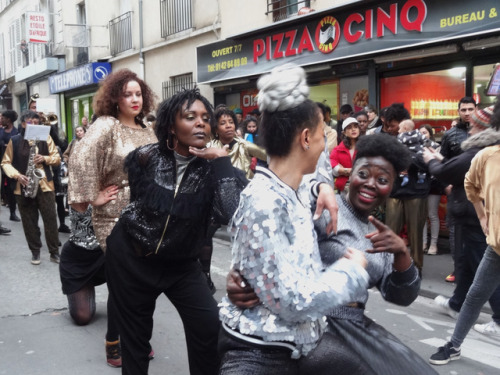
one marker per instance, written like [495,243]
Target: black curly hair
[220,111]
[168,110]
[396,111]
[385,146]
[11,115]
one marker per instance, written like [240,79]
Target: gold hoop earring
[175,144]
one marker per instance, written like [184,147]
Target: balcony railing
[283,9]
[176,84]
[120,33]
[175,16]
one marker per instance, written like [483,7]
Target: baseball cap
[348,121]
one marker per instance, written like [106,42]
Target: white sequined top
[274,246]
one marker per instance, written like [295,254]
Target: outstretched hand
[326,201]
[384,240]
[239,292]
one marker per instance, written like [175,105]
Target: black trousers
[9,193]
[135,283]
[45,204]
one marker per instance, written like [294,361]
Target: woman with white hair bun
[274,244]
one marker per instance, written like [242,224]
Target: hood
[488,137]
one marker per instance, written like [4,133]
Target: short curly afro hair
[385,146]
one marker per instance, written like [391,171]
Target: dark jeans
[45,204]
[135,283]
[486,282]
[9,193]
[470,247]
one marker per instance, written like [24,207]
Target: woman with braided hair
[274,243]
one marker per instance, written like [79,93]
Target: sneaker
[54,258]
[113,353]
[445,354]
[35,259]
[450,278]
[63,228]
[491,328]
[151,354]
[444,303]
[432,250]
[14,217]
[4,230]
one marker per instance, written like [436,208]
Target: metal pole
[141,54]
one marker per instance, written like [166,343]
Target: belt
[259,342]
[358,305]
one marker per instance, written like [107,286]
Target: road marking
[475,350]
[425,322]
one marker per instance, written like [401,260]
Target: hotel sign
[37,27]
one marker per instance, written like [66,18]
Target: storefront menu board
[494,84]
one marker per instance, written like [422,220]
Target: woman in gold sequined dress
[96,174]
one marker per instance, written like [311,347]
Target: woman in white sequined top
[274,244]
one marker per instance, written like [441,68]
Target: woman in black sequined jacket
[177,186]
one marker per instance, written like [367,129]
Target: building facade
[426,54]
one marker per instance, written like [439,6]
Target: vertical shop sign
[37,27]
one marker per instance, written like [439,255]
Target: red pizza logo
[327,34]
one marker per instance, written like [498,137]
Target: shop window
[176,84]
[283,9]
[430,97]
[175,16]
[486,84]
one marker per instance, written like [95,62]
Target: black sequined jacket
[170,221]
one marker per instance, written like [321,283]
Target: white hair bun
[283,88]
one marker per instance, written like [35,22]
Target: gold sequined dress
[97,162]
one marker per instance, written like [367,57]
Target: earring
[174,139]
[307,147]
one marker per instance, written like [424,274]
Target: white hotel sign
[37,27]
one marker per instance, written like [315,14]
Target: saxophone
[34,175]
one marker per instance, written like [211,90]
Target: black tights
[61,211]
[82,310]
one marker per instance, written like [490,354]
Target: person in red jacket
[343,155]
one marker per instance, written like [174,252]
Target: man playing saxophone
[29,164]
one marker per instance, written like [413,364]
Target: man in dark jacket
[450,147]
[453,138]
[470,240]
[407,204]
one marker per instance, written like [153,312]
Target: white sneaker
[490,328]
[444,303]
[432,250]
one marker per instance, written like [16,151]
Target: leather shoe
[54,258]
[64,229]
[14,217]
[4,230]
